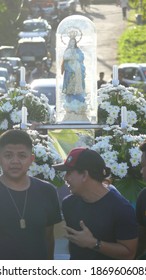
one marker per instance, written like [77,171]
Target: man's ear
[86,174]
[32,157]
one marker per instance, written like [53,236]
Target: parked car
[134,74]
[7,65]
[66,8]
[31,50]
[46,86]
[4,74]
[46,11]
[37,27]
[3,86]
[15,62]
[7,51]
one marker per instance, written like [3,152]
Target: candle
[115,80]
[22,76]
[24,115]
[123,117]
[123,114]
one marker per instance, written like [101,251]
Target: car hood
[33,34]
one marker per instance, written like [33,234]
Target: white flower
[4,125]
[16,116]
[135,156]
[122,169]
[131,117]
[48,173]
[7,107]
[33,169]
[110,100]
[40,152]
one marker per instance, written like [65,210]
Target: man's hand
[83,238]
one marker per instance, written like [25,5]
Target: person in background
[101,80]
[39,71]
[120,77]
[141,208]
[108,184]
[124,6]
[84,4]
[100,224]
[29,207]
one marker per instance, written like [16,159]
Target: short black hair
[15,136]
[98,176]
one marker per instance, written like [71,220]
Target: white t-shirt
[123,3]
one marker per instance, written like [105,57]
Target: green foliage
[11,16]
[132,45]
[133,3]
[130,187]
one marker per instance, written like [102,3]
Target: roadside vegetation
[12,13]
[132,43]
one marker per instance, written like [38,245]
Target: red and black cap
[82,159]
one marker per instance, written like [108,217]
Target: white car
[134,74]
[31,50]
[66,8]
[36,28]
[46,86]
[3,86]
[4,74]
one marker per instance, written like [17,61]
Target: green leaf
[130,188]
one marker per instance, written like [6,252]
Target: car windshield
[4,73]
[48,91]
[7,52]
[34,49]
[34,26]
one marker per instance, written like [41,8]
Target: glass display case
[76,71]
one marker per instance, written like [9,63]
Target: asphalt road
[110,25]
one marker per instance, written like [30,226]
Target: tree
[10,14]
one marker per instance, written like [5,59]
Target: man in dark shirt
[101,224]
[101,80]
[29,207]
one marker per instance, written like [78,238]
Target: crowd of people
[100,222]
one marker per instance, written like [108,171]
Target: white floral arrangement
[110,101]
[45,155]
[121,152]
[11,104]
[120,147]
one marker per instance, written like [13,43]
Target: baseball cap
[82,159]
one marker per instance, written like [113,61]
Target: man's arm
[122,249]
